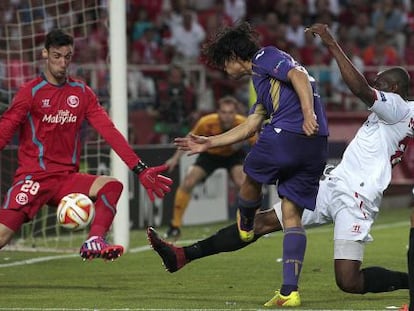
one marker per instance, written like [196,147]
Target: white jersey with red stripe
[366,165]
[350,195]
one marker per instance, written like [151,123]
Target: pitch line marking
[147,247]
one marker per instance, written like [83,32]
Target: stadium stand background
[163,34]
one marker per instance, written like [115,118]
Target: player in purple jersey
[48,112]
[292,146]
[352,192]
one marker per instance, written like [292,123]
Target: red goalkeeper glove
[153,182]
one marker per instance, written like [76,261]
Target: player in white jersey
[357,184]
[354,189]
[350,195]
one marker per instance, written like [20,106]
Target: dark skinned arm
[355,80]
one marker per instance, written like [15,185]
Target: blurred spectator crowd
[170,87]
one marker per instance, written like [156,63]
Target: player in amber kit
[230,157]
[48,112]
[291,149]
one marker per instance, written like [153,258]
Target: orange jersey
[209,125]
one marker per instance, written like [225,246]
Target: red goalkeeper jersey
[49,119]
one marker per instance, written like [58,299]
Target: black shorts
[210,162]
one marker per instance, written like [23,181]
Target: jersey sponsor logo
[383,97]
[73,101]
[46,103]
[22,198]
[61,117]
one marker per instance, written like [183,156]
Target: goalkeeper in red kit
[48,113]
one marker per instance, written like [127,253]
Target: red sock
[105,208]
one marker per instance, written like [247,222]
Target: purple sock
[294,246]
[248,208]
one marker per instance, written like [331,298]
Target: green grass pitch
[241,280]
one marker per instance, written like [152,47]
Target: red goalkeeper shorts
[30,193]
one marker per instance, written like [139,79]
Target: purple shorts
[292,161]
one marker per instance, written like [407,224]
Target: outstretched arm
[150,177]
[14,116]
[355,80]
[197,144]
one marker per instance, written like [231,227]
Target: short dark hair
[227,99]
[239,41]
[57,38]
[401,77]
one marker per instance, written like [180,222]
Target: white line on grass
[35,260]
[185,242]
[143,309]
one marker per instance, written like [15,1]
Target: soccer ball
[75,211]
